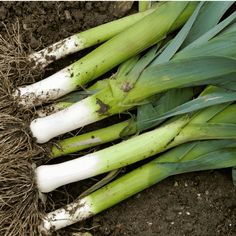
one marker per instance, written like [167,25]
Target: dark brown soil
[194,204]
[44,23]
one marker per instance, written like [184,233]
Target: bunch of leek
[17,64]
[132,40]
[128,91]
[148,82]
[193,156]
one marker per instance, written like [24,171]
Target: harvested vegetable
[125,93]
[216,122]
[12,52]
[141,35]
[161,85]
[85,39]
[184,129]
[114,100]
[166,107]
[194,156]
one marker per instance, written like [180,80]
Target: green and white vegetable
[113,100]
[172,103]
[85,39]
[207,62]
[141,35]
[161,84]
[194,156]
[216,122]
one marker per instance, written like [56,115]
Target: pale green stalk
[130,42]
[90,139]
[143,34]
[173,133]
[124,94]
[184,70]
[157,79]
[106,31]
[152,173]
[200,126]
[86,39]
[144,5]
[196,128]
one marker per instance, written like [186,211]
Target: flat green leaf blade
[126,66]
[199,103]
[214,31]
[192,150]
[181,73]
[231,28]
[175,44]
[222,158]
[143,62]
[230,85]
[144,112]
[157,105]
[171,98]
[147,114]
[209,16]
[216,46]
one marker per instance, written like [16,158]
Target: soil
[191,204]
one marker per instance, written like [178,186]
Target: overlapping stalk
[148,83]
[205,124]
[85,39]
[151,29]
[113,100]
[195,156]
[131,90]
[22,68]
[166,107]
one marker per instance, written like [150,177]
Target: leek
[167,106]
[84,39]
[113,100]
[207,60]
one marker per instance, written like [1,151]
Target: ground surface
[192,204]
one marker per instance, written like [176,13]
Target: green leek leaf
[209,16]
